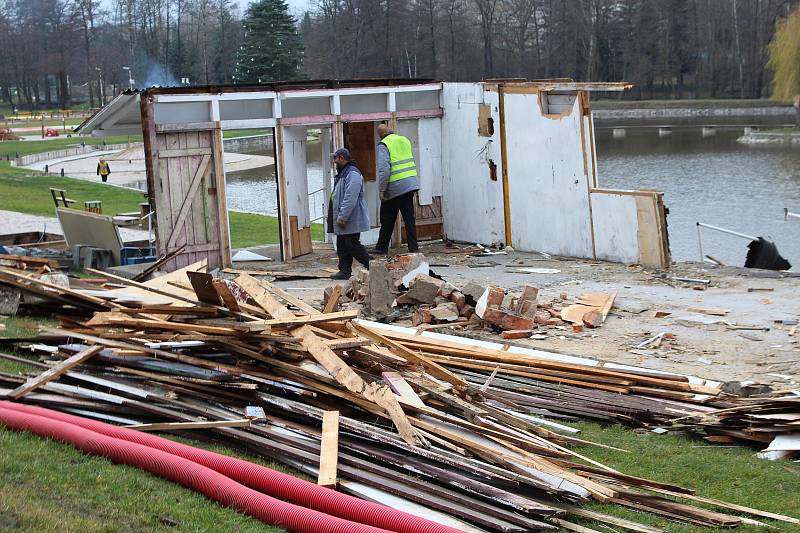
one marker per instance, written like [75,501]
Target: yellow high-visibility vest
[104,168]
[401,157]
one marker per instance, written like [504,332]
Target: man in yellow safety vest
[398,182]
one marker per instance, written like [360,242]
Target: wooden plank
[319,318]
[188,200]
[226,295]
[203,286]
[333,300]
[288,297]
[184,152]
[54,373]
[434,369]
[401,387]
[344,375]
[329,449]
[170,426]
[295,232]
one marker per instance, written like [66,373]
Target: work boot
[341,275]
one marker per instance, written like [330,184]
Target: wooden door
[359,138]
[188,198]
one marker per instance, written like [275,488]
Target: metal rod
[729,232]
[787,214]
[700,242]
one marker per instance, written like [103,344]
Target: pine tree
[271,49]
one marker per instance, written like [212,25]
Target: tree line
[57,51]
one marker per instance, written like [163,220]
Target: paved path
[12,222]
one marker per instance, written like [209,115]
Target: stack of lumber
[771,421]
[461,433]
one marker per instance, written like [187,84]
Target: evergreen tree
[271,49]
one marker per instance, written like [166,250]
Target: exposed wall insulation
[429,159]
[549,192]
[472,193]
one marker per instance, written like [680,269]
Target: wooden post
[329,449]
[504,160]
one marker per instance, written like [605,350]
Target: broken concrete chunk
[381,295]
[467,311]
[414,265]
[424,288]
[421,315]
[473,291]
[459,299]
[447,289]
[446,312]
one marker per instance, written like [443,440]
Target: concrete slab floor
[712,350]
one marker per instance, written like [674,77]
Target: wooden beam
[169,426]
[53,373]
[329,449]
[333,301]
[434,369]
[226,295]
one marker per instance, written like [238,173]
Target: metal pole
[787,214]
[700,242]
[729,232]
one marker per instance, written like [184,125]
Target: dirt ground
[706,346]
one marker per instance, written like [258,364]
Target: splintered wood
[477,433]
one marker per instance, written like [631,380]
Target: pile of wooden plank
[465,433]
[774,421]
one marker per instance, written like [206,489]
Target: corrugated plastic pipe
[188,473]
[263,479]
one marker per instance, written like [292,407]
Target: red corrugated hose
[319,503]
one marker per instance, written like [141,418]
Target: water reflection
[709,179]
[255,190]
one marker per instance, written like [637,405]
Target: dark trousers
[349,247]
[403,204]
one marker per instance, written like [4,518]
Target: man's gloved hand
[341,222]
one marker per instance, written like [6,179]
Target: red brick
[496,296]
[516,322]
[554,312]
[421,316]
[530,293]
[405,299]
[541,317]
[593,319]
[459,299]
[516,334]
[554,322]
[494,315]
[577,328]
[528,308]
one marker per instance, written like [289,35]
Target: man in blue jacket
[348,216]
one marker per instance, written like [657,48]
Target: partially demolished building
[509,162]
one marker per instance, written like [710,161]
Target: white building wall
[295,167]
[548,189]
[472,201]
[616,227]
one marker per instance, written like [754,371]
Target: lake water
[712,179]
[255,190]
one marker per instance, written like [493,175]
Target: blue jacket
[395,188]
[349,202]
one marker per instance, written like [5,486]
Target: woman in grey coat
[348,215]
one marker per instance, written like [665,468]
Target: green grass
[47,486]
[729,474]
[25,191]
[59,143]
[781,130]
